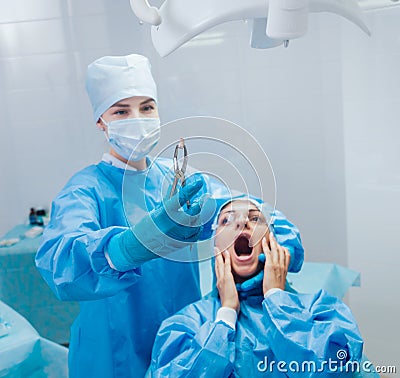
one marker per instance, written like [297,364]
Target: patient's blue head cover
[286,233]
[114,78]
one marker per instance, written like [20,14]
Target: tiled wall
[371,109]
[45,117]
[324,110]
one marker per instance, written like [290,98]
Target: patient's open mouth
[242,247]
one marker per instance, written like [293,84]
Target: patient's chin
[242,273]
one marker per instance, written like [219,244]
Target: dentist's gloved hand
[165,229]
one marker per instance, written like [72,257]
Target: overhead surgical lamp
[275,22]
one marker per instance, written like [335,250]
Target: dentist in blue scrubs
[91,253]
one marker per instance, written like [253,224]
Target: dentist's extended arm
[75,255]
[164,230]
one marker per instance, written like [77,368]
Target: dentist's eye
[120,112]
[148,108]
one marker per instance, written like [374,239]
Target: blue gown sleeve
[72,258]
[187,345]
[312,328]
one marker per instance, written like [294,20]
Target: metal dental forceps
[179,173]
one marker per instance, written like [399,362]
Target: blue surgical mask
[133,138]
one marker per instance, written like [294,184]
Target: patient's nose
[242,221]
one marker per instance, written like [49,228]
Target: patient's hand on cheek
[277,259]
[225,281]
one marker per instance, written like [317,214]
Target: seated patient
[254,325]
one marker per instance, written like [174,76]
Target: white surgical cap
[114,78]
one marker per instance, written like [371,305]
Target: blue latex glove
[254,281]
[165,229]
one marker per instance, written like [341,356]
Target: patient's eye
[227,219]
[257,218]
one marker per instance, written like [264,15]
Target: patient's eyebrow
[234,211]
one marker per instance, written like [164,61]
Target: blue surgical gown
[120,312]
[286,328]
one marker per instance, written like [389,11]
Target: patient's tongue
[242,246]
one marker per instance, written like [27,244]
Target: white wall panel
[371,106]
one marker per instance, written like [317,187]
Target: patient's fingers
[276,265]
[274,249]
[219,263]
[227,265]
[287,260]
[267,252]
